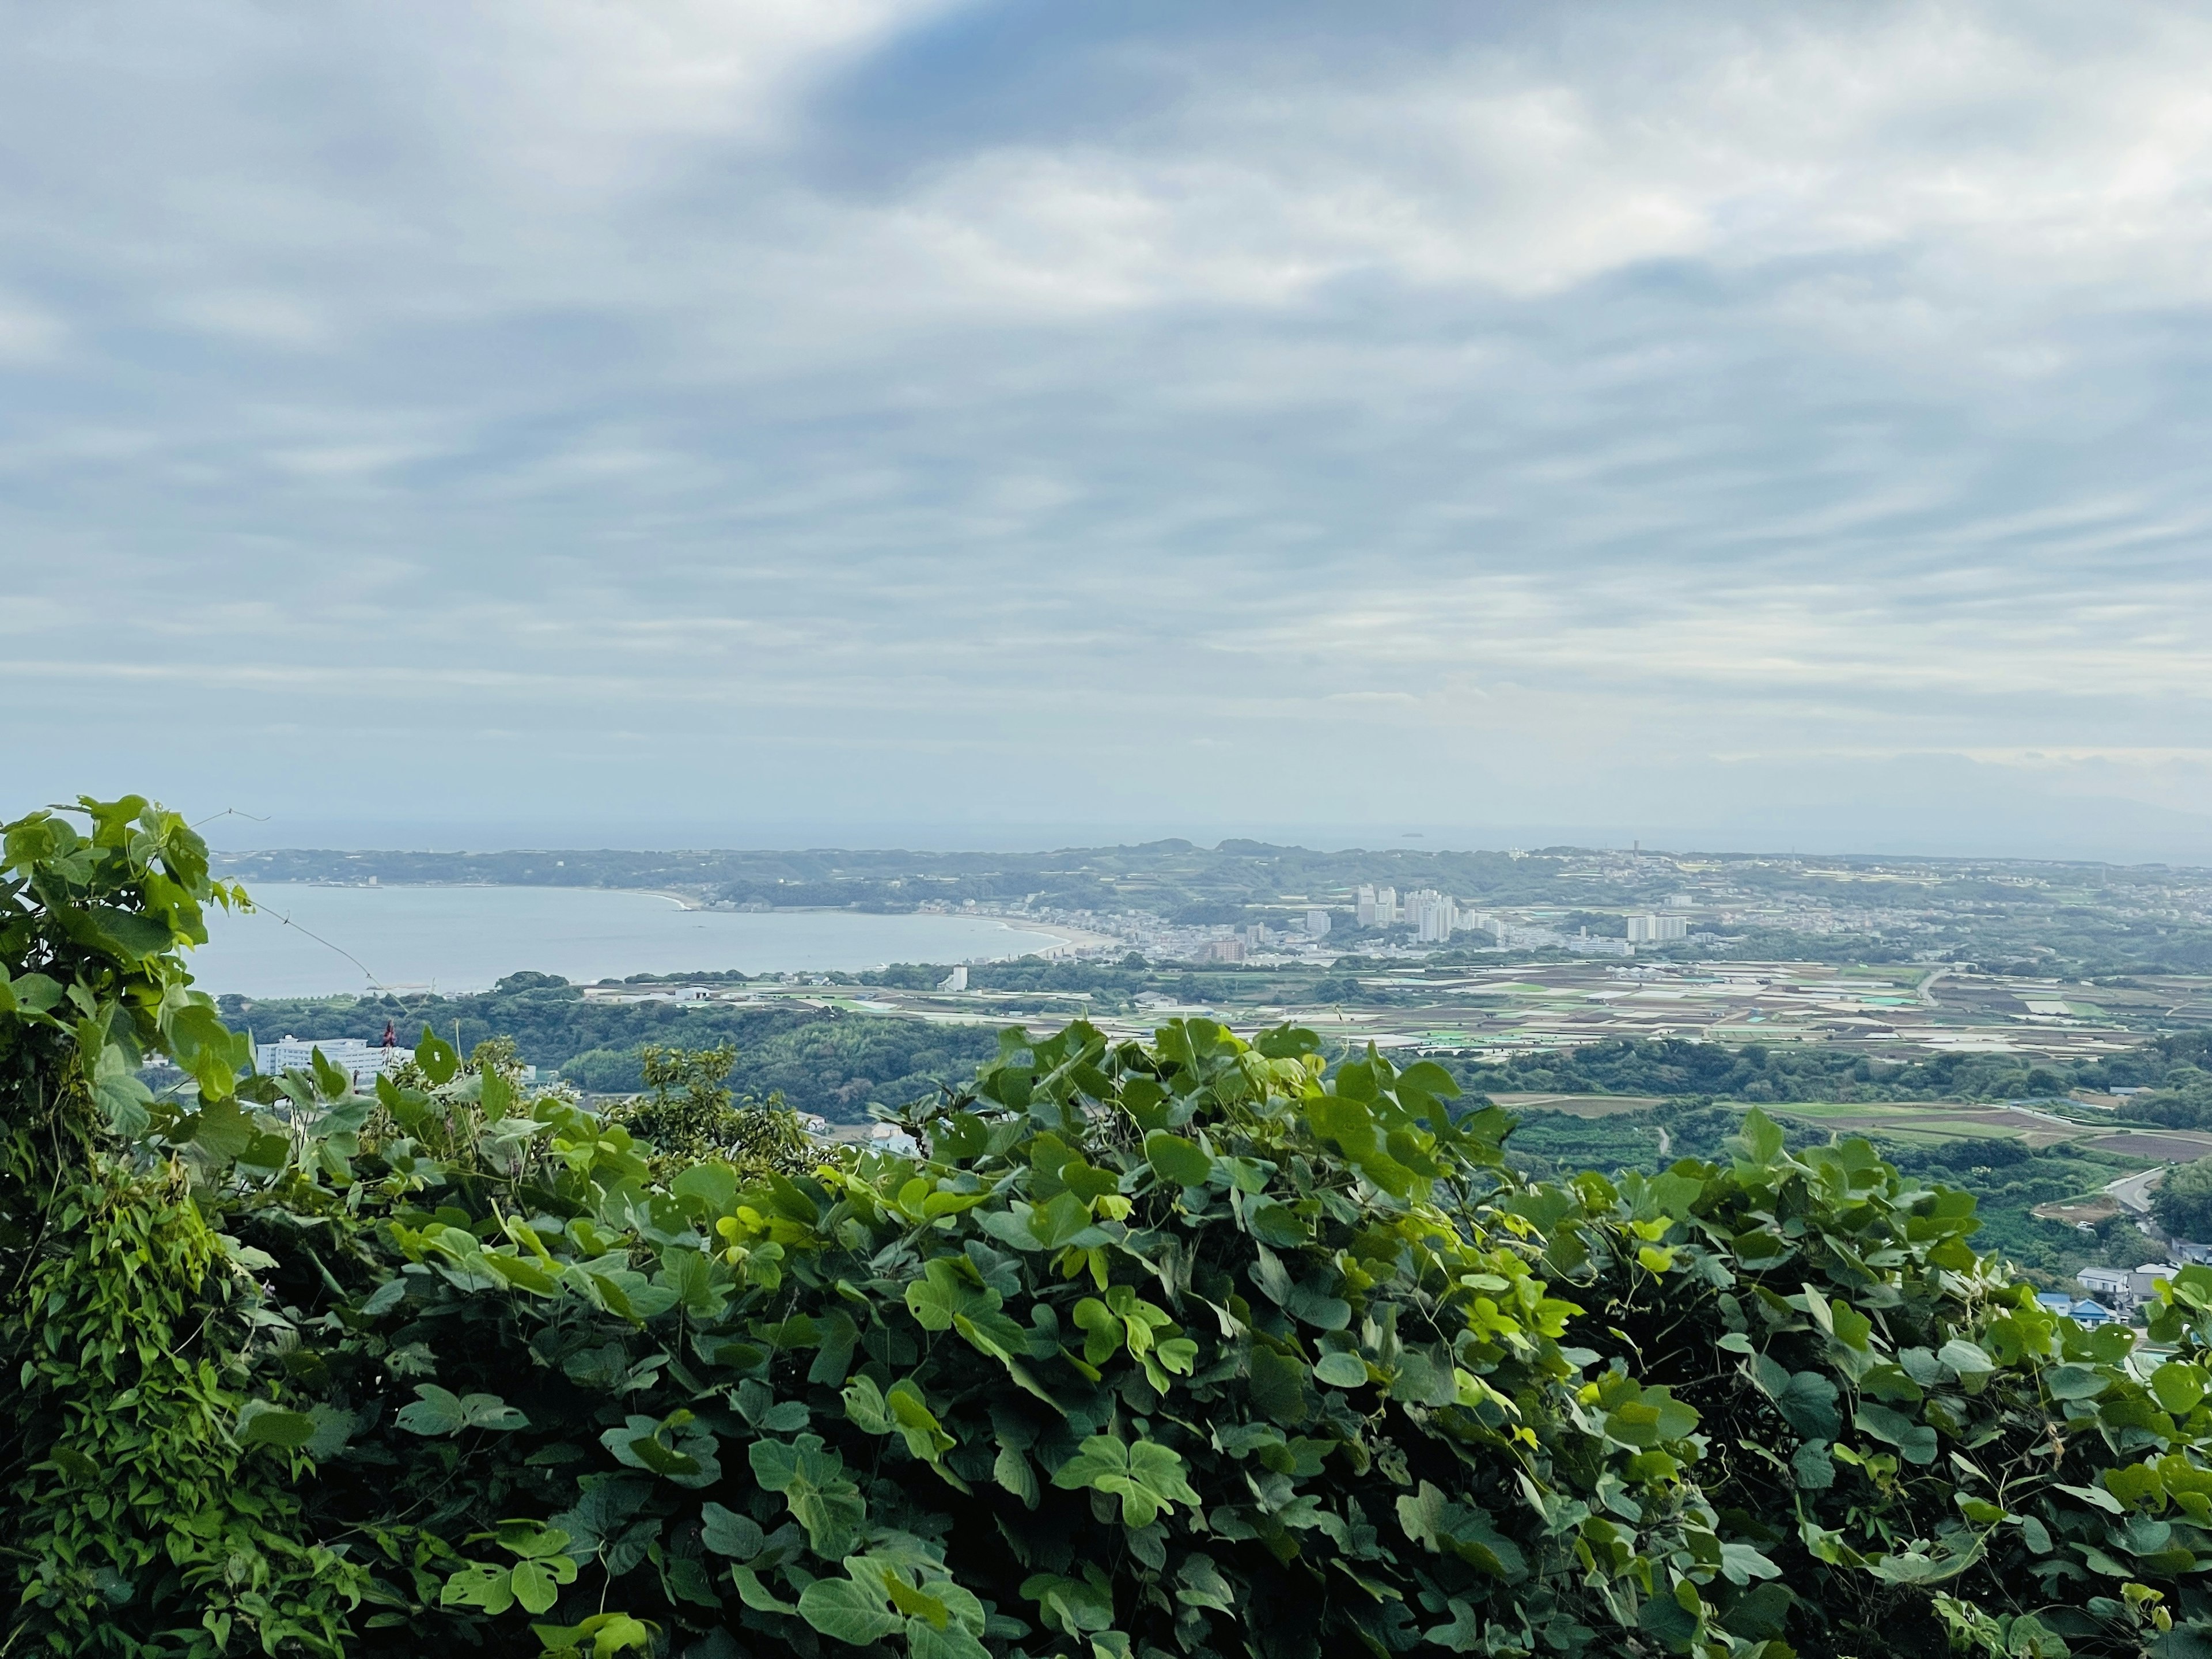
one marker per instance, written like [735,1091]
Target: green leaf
[1741,1563]
[606,1633]
[1276,1223]
[756,1594]
[814,1485]
[847,1612]
[437,1061]
[117,1090]
[261,1424]
[1965,1357]
[728,1533]
[1341,1370]
[2075,1382]
[1813,1467]
[1761,1138]
[1147,1476]
[925,1641]
[221,1128]
[1807,1404]
[1278,1387]
[35,992]
[479,1585]
[1012,1471]
[674,1448]
[1915,1441]
[1178,1162]
[864,1406]
[944,1293]
[437,1411]
[2179,1384]
[537,1582]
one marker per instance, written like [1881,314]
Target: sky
[898,422]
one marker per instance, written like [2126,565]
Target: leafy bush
[1179,1348]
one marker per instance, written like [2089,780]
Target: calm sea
[323,941]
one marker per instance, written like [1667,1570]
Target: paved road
[2133,1191]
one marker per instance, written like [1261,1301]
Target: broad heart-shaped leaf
[1806,1400]
[120,1095]
[925,1641]
[476,1585]
[406,1107]
[848,1611]
[925,1437]
[1651,1418]
[1341,1370]
[944,1293]
[813,1482]
[1073,1605]
[674,1447]
[530,1539]
[1276,1223]
[437,1060]
[1966,1358]
[537,1582]
[1146,1477]
[2075,1382]
[126,933]
[2179,1385]
[222,1129]
[1178,1162]
[864,1406]
[1915,1441]
[1436,1523]
[1761,1138]
[728,1533]
[439,1411]
[35,992]
[261,1424]
[602,1636]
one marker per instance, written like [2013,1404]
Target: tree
[2182,1202]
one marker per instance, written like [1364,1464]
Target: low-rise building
[2106,1283]
[2142,1283]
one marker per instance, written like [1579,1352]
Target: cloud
[1553,406]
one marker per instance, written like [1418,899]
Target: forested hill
[1171,877]
[2010,907]
[2171,1066]
[820,1059]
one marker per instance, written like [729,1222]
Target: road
[2133,1191]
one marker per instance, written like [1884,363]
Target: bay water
[305,941]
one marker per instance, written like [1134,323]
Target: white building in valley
[361,1061]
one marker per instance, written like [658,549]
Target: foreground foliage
[1189,1347]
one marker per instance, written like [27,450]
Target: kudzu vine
[1199,1346]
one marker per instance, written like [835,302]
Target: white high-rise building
[1317,924]
[1435,915]
[1363,906]
[1386,913]
[1656,930]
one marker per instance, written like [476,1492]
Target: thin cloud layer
[1712,421]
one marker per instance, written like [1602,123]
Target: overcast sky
[852,420]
